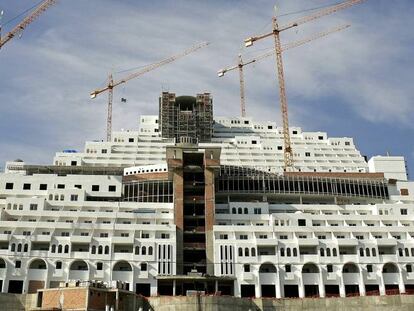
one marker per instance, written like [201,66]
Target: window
[26,186]
[294,132]
[369,268]
[246,268]
[78,186]
[73,197]
[288,268]
[95,187]
[43,187]
[58,265]
[145,235]
[404,211]
[143,266]
[61,186]
[73,163]
[262,236]
[33,207]
[84,234]
[329,268]
[124,235]
[26,233]
[409,268]
[99,266]
[9,186]
[243,237]
[104,151]
[131,140]
[257,211]
[18,264]
[112,188]
[279,148]
[64,234]
[283,237]
[224,236]
[103,235]
[307,154]
[302,222]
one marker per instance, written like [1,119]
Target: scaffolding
[186,116]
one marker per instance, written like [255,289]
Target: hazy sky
[356,83]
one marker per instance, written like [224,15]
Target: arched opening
[79,265]
[295,252]
[100,249]
[93,251]
[350,268]
[328,252]
[136,250]
[60,249]
[267,268]
[367,252]
[240,252]
[122,266]
[322,251]
[19,248]
[106,250]
[26,248]
[310,268]
[253,252]
[39,264]
[143,250]
[334,252]
[66,249]
[2,263]
[150,251]
[288,252]
[390,268]
[246,252]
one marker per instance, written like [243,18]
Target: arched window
[407,252]
[367,252]
[412,251]
[62,197]
[233,210]
[253,252]
[246,210]
[282,252]
[93,251]
[246,252]
[100,249]
[50,197]
[56,197]
[361,252]
[19,247]
[240,252]
[106,250]
[288,253]
[295,252]
[66,249]
[150,250]
[334,252]
[239,210]
[400,252]
[322,251]
[26,248]
[53,248]
[328,252]
[143,250]
[374,252]
[60,249]
[13,247]
[136,250]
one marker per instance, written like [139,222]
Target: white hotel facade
[166,217]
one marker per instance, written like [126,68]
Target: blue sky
[355,83]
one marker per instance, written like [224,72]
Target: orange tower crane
[111,83]
[17,30]
[276,30]
[285,47]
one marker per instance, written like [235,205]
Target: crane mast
[26,21]
[112,84]
[241,76]
[276,30]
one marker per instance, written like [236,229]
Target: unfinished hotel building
[188,203]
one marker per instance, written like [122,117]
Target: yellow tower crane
[276,30]
[111,83]
[285,47]
[17,30]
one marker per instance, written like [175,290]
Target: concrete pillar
[216,286]
[342,292]
[321,285]
[361,283]
[301,287]
[258,288]
[278,285]
[401,285]
[174,285]
[382,285]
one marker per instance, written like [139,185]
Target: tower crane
[17,30]
[112,84]
[276,30]
[285,47]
